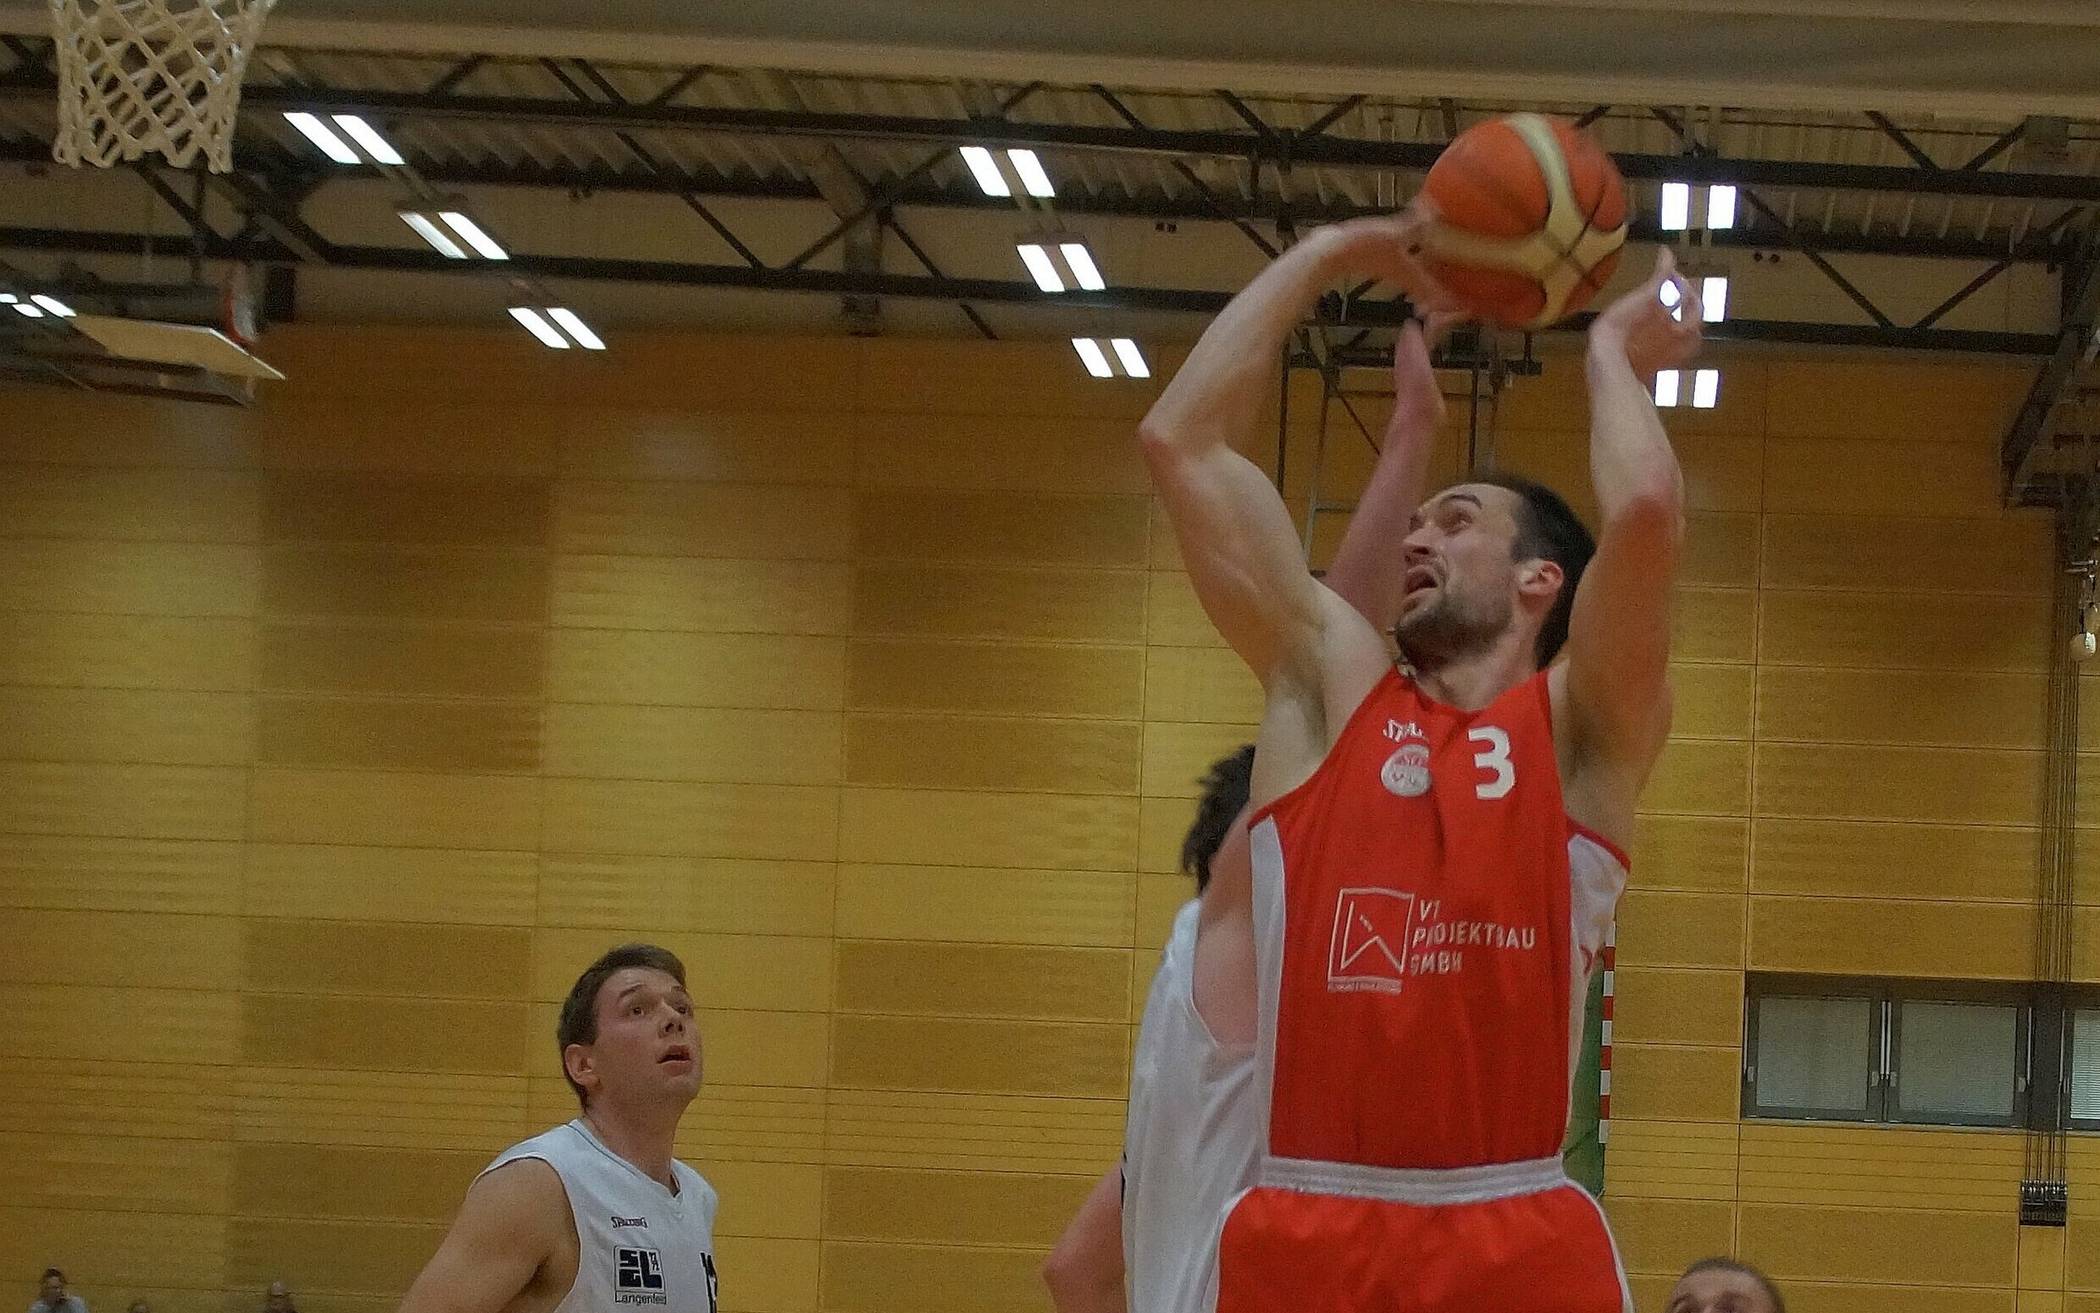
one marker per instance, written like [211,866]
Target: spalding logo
[1406,772]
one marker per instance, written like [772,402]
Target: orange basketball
[1531,215]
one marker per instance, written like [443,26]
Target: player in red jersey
[1436,847]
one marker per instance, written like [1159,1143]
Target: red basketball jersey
[1426,918]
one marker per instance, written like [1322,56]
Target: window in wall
[2085,1069]
[1943,1053]
[1813,1057]
[1956,1063]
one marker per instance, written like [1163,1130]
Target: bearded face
[1462,581]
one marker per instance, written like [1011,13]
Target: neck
[643,1136]
[1473,681]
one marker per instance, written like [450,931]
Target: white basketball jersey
[1192,1141]
[638,1246]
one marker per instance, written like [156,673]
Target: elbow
[1059,1277]
[1157,439]
[1654,508]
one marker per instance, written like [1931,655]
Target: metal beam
[1902,140]
[2040,246]
[1324,149]
[1190,301]
[2068,351]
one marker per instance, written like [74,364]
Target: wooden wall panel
[120,875]
[734,895]
[755,521]
[981,905]
[926,601]
[431,512]
[126,725]
[128,578]
[376,658]
[338,734]
[768,821]
[703,744]
[996,678]
[1864,859]
[641,668]
[115,652]
[376,883]
[924,827]
[977,752]
[163,505]
[395,807]
[1880,1244]
[701,595]
[717,445]
[965,1208]
[123,948]
[1904,630]
[988,980]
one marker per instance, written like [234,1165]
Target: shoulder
[525,1194]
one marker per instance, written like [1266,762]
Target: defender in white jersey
[1146,1237]
[1194,1132]
[595,1216]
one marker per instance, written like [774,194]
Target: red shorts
[1548,1251]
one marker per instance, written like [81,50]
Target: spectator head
[278,1299]
[54,1286]
[1724,1285]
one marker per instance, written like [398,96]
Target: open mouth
[1420,579]
[677,1054]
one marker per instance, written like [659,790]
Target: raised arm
[1367,571]
[1236,538]
[506,1231]
[1618,695]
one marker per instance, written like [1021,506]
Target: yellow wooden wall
[337,735]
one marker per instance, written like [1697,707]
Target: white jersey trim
[1415,1185]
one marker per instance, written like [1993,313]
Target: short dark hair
[579,1011]
[1225,789]
[1764,1282]
[1548,529]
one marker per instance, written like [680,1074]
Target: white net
[136,76]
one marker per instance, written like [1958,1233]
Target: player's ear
[1540,578]
[580,1063]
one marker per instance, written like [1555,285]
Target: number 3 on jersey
[1494,759]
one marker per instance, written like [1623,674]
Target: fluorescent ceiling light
[1081,262]
[1713,298]
[54,306]
[28,311]
[488,247]
[1706,389]
[1676,206]
[364,134]
[1040,268]
[436,236]
[318,133]
[539,327]
[1030,170]
[1090,352]
[1666,382]
[1133,359]
[1720,206]
[577,329]
[986,170]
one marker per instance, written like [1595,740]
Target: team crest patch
[1406,772]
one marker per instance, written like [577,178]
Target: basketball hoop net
[136,76]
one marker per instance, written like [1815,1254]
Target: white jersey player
[595,1216]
